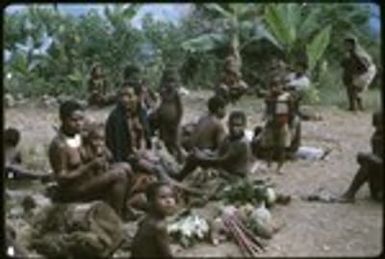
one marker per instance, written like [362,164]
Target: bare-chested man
[209,131]
[75,179]
[234,156]
[126,134]
[371,166]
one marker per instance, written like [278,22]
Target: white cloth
[310,153]
[74,142]
[364,80]
[301,83]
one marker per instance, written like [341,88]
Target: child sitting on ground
[152,240]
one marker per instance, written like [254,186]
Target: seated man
[75,178]
[127,136]
[234,157]
[371,166]
[209,131]
[14,168]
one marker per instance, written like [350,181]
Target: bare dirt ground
[311,228]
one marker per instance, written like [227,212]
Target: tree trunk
[235,51]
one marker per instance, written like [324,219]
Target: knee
[124,167]
[120,176]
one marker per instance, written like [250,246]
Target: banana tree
[123,39]
[232,25]
[292,27]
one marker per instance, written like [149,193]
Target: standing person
[170,111]
[276,134]
[358,72]
[75,179]
[97,87]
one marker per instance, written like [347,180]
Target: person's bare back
[209,133]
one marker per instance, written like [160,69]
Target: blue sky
[166,11]
[170,12]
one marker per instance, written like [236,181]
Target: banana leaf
[317,46]
[205,42]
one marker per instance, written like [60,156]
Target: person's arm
[163,240]
[113,142]
[220,135]
[59,164]
[234,151]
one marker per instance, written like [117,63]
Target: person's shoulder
[113,113]
[58,141]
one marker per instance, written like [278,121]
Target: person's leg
[115,181]
[351,100]
[376,180]
[354,98]
[359,179]
[359,100]
[189,166]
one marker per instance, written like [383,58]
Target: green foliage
[197,45]
[317,47]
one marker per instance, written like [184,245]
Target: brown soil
[311,228]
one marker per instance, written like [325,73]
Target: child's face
[97,141]
[74,122]
[236,127]
[165,201]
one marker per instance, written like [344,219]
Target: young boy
[152,240]
[277,135]
[233,157]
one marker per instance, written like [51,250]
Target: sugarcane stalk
[238,239]
[251,241]
[249,233]
[252,248]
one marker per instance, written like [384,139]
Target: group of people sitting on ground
[89,158]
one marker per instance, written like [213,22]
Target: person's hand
[99,162]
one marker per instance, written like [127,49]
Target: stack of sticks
[249,244]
